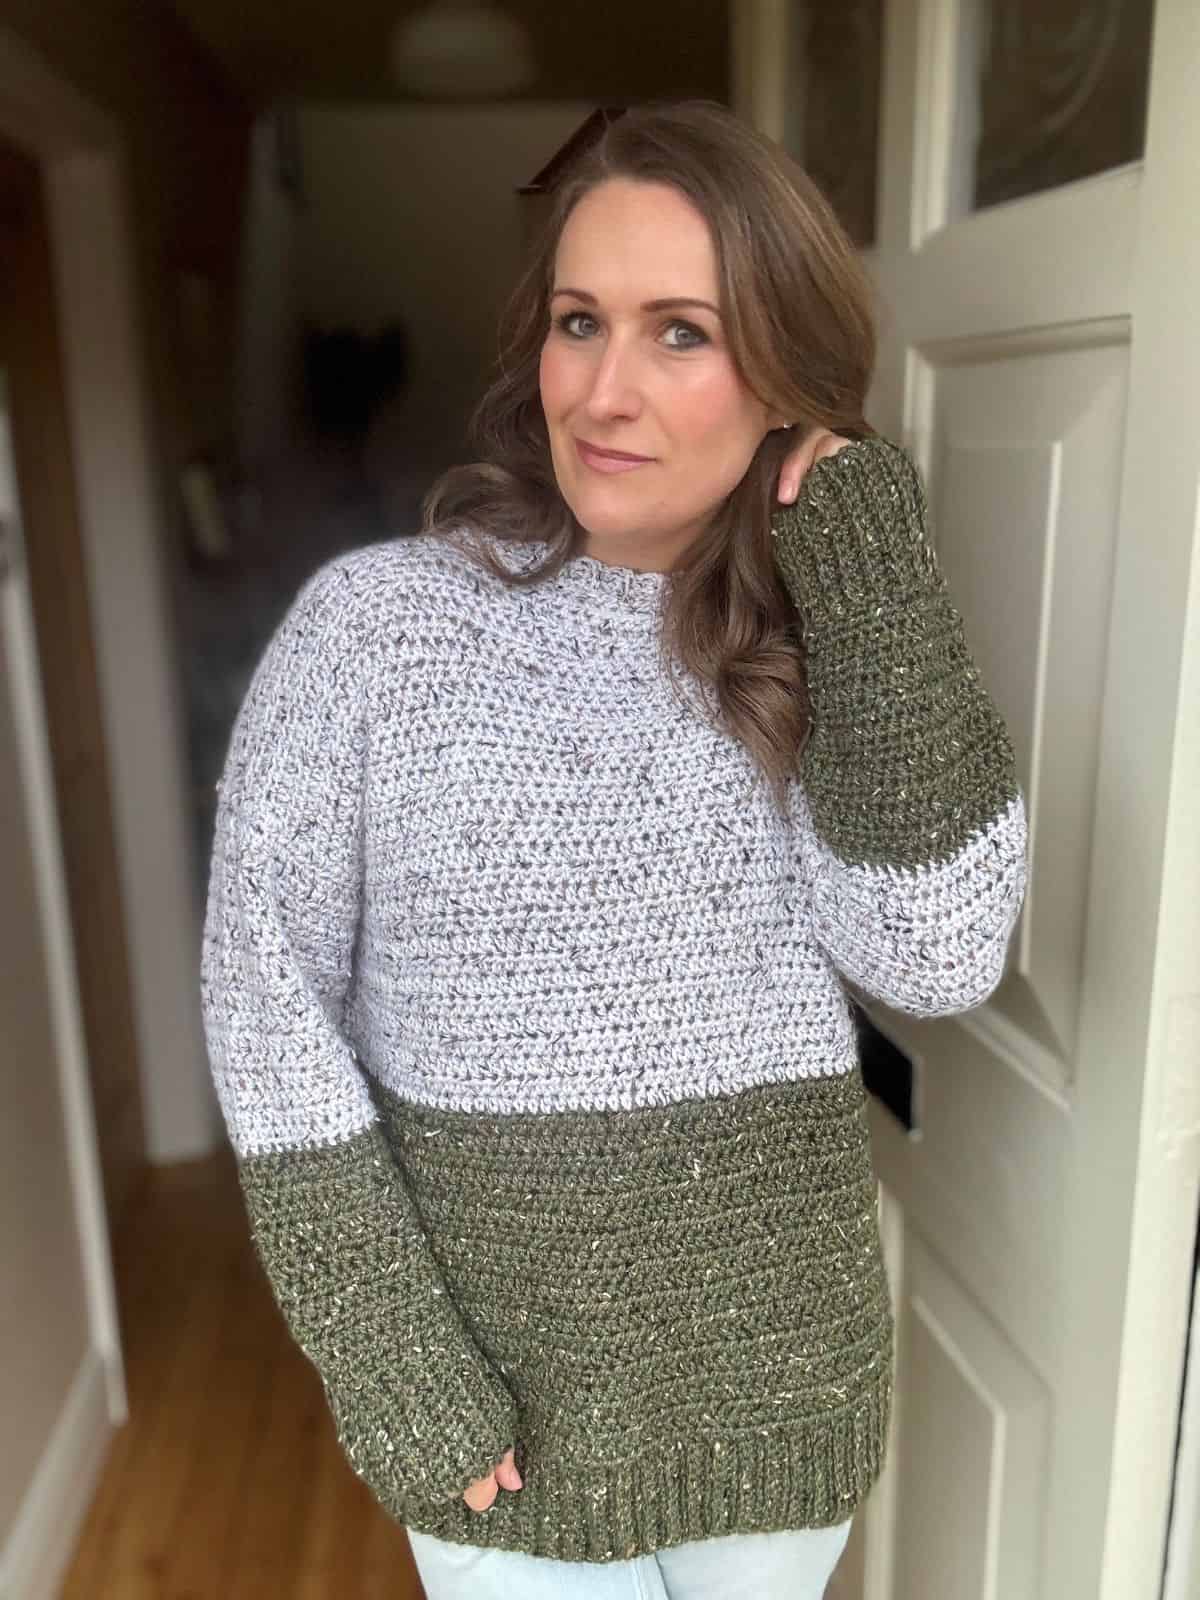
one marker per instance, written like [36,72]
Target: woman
[548,844]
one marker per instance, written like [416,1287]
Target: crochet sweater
[529,1018]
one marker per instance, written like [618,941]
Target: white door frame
[121,521]
[96,1400]
[1183,1547]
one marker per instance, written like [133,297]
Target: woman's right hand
[483,1491]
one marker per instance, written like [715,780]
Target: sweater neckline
[599,584]
[632,587]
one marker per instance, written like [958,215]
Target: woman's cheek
[728,424]
[559,377]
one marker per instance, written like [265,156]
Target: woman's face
[636,361]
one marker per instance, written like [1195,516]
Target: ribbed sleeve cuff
[908,756]
[855,537]
[420,1436]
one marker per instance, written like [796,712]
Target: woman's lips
[609,460]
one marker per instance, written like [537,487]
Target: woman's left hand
[815,444]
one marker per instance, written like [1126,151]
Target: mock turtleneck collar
[598,584]
[628,586]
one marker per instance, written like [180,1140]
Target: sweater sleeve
[912,826]
[418,1409]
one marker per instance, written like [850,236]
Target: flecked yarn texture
[529,1018]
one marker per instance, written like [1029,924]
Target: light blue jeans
[795,1565]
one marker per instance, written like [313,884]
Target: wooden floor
[227,1482]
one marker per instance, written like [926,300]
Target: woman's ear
[773,420]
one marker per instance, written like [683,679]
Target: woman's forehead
[637,241]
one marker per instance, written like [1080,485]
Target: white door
[1041,357]
[62,1385]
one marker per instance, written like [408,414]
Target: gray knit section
[928,940]
[470,840]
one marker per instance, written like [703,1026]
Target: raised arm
[912,823]
[419,1412]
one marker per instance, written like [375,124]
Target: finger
[823,444]
[816,444]
[790,474]
[507,1475]
[481,1495]
[794,468]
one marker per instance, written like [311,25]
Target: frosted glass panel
[1052,91]
[833,108]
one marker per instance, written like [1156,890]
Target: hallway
[227,1480]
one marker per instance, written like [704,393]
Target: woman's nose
[614,391]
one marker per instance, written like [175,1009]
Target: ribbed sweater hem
[811,1473]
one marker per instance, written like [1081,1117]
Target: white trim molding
[121,522]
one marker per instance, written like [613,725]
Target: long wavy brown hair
[798,312]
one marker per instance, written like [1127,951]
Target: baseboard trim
[43,1538]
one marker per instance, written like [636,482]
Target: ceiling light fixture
[461,50]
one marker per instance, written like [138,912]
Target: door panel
[982,1184]
[1026,467]
[980,1494]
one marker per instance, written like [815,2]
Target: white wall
[411,212]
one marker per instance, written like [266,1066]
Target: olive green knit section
[908,757]
[418,1409]
[688,1303]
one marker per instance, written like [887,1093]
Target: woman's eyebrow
[667,304]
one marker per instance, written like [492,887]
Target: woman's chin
[599,518]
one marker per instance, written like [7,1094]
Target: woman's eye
[692,337]
[570,320]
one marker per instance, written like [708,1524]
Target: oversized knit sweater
[529,1015]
